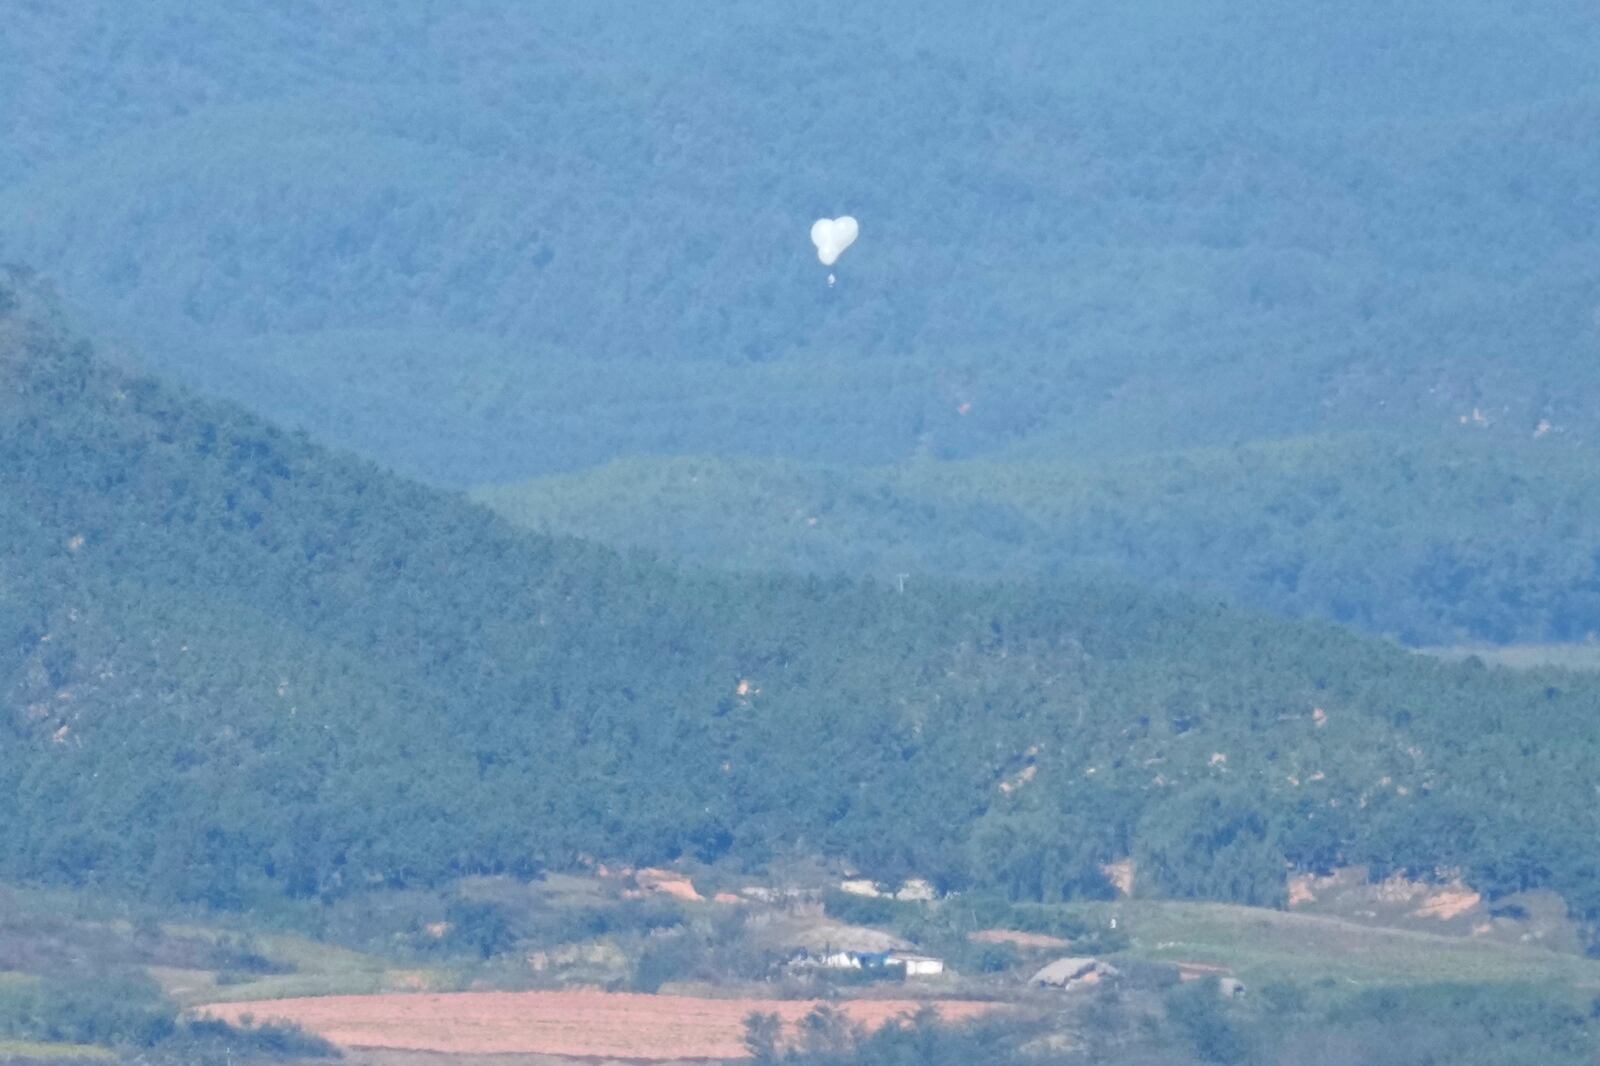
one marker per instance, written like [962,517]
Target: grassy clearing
[180,955]
[1582,656]
[25,1049]
[300,952]
[294,985]
[319,970]
[1265,945]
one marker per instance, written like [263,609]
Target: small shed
[1230,988]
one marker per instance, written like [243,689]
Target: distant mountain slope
[1106,229]
[233,664]
[1466,537]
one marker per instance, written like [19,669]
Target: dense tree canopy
[1463,537]
[235,663]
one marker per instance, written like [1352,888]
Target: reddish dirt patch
[1120,874]
[1451,903]
[575,1024]
[669,884]
[1194,971]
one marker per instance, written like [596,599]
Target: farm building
[914,890]
[1072,972]
[917,965]
[841,960]
[914,965]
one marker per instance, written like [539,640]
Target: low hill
[235,665]
[1469,537]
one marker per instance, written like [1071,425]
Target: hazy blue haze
[487,240]
[1292,305]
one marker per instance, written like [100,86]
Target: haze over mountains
[484,242]
[432,457]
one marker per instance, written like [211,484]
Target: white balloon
[832,236]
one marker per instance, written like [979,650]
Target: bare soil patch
[576,1024]
[1026,941]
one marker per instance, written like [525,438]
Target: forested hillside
[1460,538]
[236,665]
[491,240]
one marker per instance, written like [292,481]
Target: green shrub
[243,955]
[481,929]
[118,1009]
[207,1040]
[668,957]
[1198,1012]
[864,910]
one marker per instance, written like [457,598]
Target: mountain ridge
[1471,536]
[240,666]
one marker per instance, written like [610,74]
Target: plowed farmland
[577,1024]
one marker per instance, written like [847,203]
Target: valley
[414,987]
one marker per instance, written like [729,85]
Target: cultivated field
[1266,945]
[579,1024]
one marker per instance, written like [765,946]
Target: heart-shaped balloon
[832,236]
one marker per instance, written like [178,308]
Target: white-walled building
[917,965]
